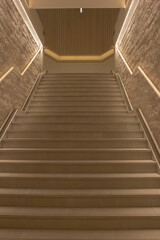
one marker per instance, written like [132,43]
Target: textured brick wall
[17,47]
[141,47]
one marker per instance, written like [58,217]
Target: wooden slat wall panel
[67,32]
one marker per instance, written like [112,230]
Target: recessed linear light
[17,72]
[149,81]
[27,21]
[129,69]
[7,73]
[31,61]
[127,20]
[32,30]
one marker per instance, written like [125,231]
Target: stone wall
[141,47]
[17,48]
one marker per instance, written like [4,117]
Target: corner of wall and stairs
[140,47]
[17,49]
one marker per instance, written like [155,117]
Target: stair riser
[75,127]
[79,79]
[80,99]
[77,108]
[71,83]
[79,202]
[78,88]
[73,145]
[79,183]
[82,78]
[76,155]
[78,94]
[76,223]
[65,119]
[76,104]
[56,134]
[86,90]
[20,167]
[77,113]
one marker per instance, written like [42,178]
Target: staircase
[76,166]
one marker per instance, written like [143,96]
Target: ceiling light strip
[7,73]
[127,20]
[27,21]
[149,81]
[129,69]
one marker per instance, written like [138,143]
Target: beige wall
[56,67]
[141,47]
[17,49]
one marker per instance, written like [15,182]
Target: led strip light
[7,73]
[129,69]
[27,21]
[30,26]
[31,61]
[127,20]
[149,81]
[12,69]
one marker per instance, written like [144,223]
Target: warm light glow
[124,61]
[17,72]
[79,58]
[7,73]
[31,62]
[127,20]
[27,21]
[81,10]
[149,81]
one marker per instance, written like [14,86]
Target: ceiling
[70,33]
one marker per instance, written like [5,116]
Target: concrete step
[83,113]
[75,154]
[78,94]
[93,127]
[33,118]
[79,78]
[73,143]
[82,89]
[77,108]
[80,218]
[75,134]
[77,104]
[21,234]
[80,181]
[81,198]
[83,166]
[80,99]
[79,74]
[80,83]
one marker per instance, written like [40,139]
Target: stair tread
[81,212]
[65,185]
[78,162]
[75,139]
[17,234]
[80,175]
[80,192]
[75,150]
